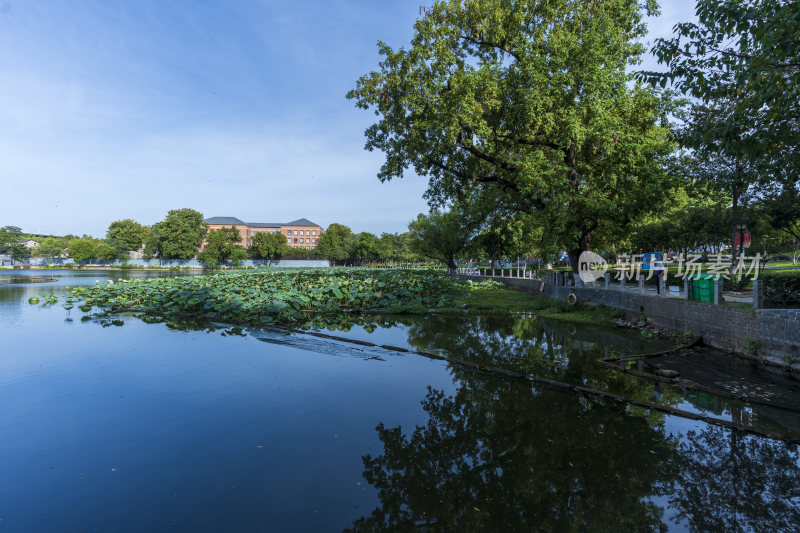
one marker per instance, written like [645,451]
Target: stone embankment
[767,336]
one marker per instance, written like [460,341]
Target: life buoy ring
[541,287]
[572,299]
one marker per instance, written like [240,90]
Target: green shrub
[781,288]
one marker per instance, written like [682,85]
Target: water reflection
[723,481]
[484,453]
[569,353]
[498,456]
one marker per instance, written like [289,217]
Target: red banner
[746,240]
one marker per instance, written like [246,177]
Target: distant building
[301,233]
[30,243]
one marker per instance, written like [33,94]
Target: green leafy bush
[781,288]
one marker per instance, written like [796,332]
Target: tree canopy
[336,242]
[127,234]
[441,236]
[82,249]
[365,247]
[222,245]
[530,103]
[11,242]
[744,53]
[178,236]
[266,245]
[51,247]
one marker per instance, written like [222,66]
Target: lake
[134,425]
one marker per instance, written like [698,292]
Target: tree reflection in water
[502,456]
[725,481]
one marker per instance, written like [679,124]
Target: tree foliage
[222,245]
[441,236]
[781,209]
[365,247]
[127,234]
[11,242]
[51,247]
[266,245]
[336,242]
[82,249]
[178,236]
[744,53]
[528,102]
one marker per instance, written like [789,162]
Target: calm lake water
[134,426]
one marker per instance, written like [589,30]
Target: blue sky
[114,109]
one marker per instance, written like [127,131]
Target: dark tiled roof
[231,221]
[301,222]
[228,221]
[264,224]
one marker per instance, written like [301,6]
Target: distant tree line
[183,231]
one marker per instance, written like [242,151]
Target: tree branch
[503,47]
[506,184]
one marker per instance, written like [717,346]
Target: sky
[127,109]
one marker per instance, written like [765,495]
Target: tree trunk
[735,208]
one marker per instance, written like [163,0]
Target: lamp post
[741,226]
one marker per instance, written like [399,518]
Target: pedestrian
[659,268]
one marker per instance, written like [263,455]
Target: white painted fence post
[641,283]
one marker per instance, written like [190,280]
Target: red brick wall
[309,234]
[306,236]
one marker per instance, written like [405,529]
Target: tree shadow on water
[500,456]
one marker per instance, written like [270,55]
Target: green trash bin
[703,288]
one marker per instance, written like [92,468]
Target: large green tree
[266,245]
[442,236]
[11,242]
[178,236]
[222,245]
[780,208]
[746,54]
[336,242]
[127,234]
[527,101]
[82,249]
[50,247]
[365,247]
[105,251]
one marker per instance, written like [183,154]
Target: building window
[295,240]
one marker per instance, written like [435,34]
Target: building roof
[228,221]
[301,222]
[264,224]
[233,221]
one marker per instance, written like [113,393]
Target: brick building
[301,233]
